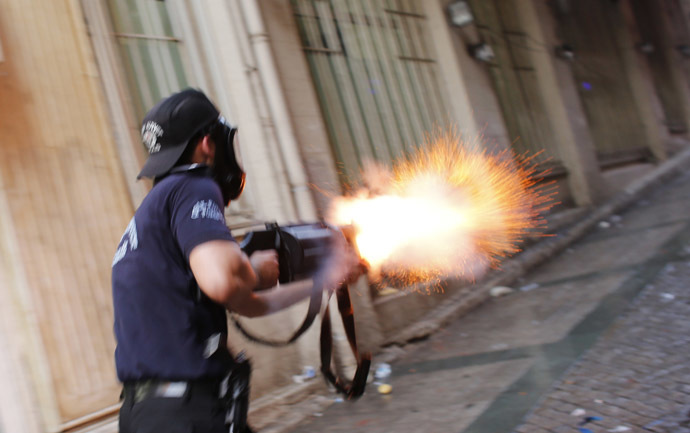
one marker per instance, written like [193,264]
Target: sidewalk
[599,330]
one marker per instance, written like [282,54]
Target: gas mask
[227,167]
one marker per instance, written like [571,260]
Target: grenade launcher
[302,249]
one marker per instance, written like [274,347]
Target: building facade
[599,90]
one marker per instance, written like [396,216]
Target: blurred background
[598,89]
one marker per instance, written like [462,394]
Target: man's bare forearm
[286,295]
[265,302]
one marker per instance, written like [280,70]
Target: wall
[64,206]
[302,102]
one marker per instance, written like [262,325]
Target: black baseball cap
[170,124]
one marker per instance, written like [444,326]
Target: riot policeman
[177,269]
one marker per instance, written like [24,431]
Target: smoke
[446,211]
[419,228]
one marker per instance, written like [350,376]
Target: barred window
[375,74]
[150,51]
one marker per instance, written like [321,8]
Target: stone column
[565,112]
[312,136]
[453,76]
[301,101]
[641,83]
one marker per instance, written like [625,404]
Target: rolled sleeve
[197,214]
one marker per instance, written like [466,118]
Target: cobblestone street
[637,377]
[596,339]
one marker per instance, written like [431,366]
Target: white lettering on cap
[150,133]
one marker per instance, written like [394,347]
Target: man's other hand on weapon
[227,276]
[343,266]
[265,265]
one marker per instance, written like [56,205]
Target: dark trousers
[198,411]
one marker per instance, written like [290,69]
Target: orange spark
[448,210]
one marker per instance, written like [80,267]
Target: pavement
[596,338]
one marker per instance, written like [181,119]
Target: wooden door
[664,26]
[600,73]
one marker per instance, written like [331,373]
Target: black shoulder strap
[351,389]
[312,311]
[355,388]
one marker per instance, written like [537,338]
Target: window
[150,51]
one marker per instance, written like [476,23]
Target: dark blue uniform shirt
[161,322]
